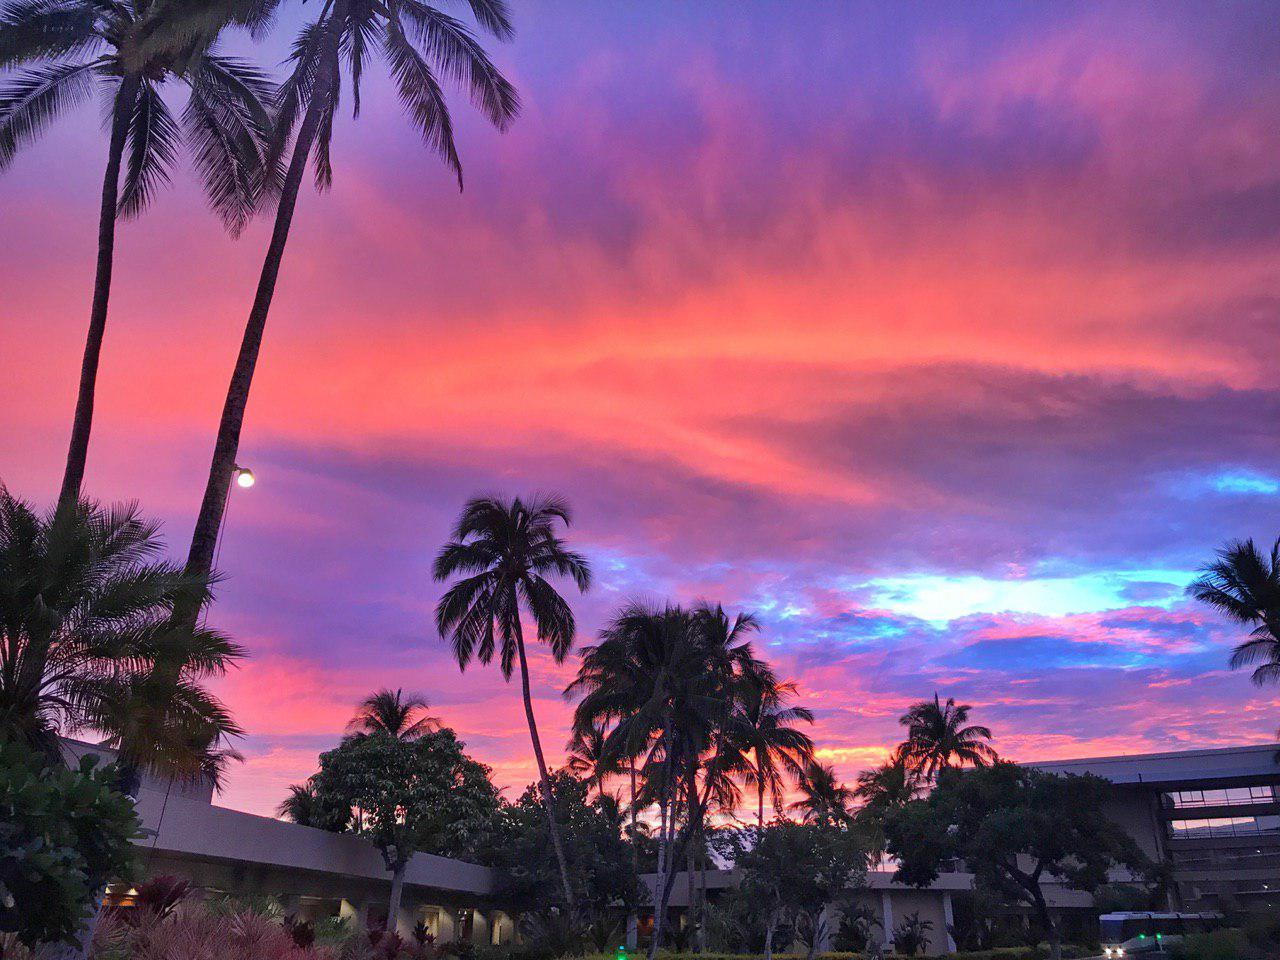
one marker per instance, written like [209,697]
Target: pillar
[886,918]
[633,931]
[948,920]
[404,920]
[826,920]
[356,912]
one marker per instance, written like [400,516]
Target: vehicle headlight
[1107,951]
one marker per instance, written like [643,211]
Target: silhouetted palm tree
[84,616]
[824,799]
[300,805]
[938,738]
[766,730]
[418,42]
[587,758]
[393,713]
[133,50]
[503,552]
[889,786]
[1244,584]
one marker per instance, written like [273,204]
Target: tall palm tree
[665,678]
[418,42]
[393,713]
[133,50]
[938,738]
[300,806]
[766,731]
[824,799]
[85,614]
[503,551]
[1244,584]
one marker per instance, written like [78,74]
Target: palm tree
[85,615]
[300,806]
[889,786]
[766,729]
[133,50]
[666,680]
[937,738]
[417,41]
[824,799]
[503,551]
[1244,584]
[392,713]
[587,757]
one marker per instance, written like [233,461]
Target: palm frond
[150,150]
[34,98]
[45,30]
[421,96]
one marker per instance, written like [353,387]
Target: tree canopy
[1015,827]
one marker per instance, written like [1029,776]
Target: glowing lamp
[245,477]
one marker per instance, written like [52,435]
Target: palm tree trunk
[78,451]
[548,799]
[760,810]
[205,537]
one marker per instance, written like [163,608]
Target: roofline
[1169,755]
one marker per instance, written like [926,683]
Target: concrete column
[405,918]
[633,931]
[826,920]
[447,932]
[886,917]
[480,932]
[948,919]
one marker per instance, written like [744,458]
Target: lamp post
[244,479]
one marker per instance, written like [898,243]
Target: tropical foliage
[394,713]
[87,640]
[63,835]
[939,737]
[1244,584]
[1014,827]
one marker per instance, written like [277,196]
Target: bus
[1128,933]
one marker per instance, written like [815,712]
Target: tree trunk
[1050,928]
[664,881]
[548,799]
[768,936]
[205,537]
[818,928]
[397,892]
[760,811]
[78,451]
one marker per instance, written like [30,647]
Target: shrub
[199,935]
[63,835]
[1218,945]
[158,897]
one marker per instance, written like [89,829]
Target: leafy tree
[390,711]
[409,796]
[587,757]
[824,799]
[133,50]
[938,738]
[1244,584]
[885,789]
[1015,827]
[84,618]
[63,835]
[601,869]
[504,551]
[418,42]
[796,871]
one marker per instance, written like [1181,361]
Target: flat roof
[1177,767]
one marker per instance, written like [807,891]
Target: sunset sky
[942,336]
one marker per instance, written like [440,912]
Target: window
[1229,797]
[1223,827]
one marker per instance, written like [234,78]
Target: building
[314,873]
[1211,816]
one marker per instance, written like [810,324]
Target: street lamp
[244,477]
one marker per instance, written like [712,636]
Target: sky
[941,336]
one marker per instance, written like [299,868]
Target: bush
[199,935]
[1218,945]
[64,834]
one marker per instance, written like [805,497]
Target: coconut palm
[393,713]
[85,615]
[586,756]
[503,551]
[301,805]
[824,799]
[889,786]
[133,51]
[766,730]
[938,738]
[418,43]
[1244,584]
[665,679]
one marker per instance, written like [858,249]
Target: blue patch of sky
[1227,482]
